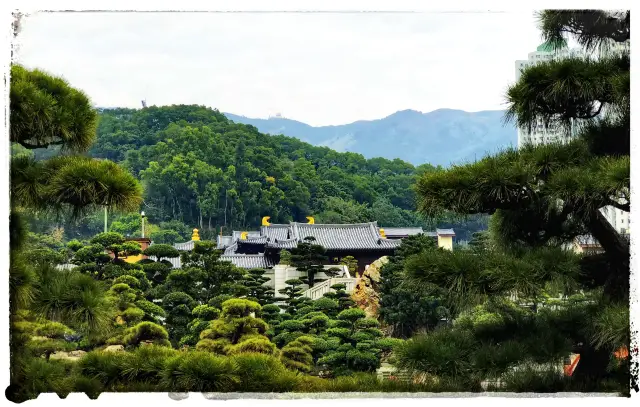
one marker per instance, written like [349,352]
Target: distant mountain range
[441,137]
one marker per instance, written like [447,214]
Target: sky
[318,68]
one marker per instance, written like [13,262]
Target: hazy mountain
[441,137]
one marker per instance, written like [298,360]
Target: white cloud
[318,68]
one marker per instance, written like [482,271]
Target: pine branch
[591,28]
[623,207]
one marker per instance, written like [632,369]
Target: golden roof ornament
[382,235]
[195,235]
[311,220]
[265,221]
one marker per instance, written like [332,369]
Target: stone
[77,353]
[366,294]
[114,348]
[72,356]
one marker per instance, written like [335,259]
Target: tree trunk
[617,251]
[592,366]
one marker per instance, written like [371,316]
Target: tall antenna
[144,103]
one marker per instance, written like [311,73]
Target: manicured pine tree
[540,198]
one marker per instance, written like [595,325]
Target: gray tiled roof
[431,234]
[283,244]
[254,240]
[359,236]
[231,249]
[277,231]
[445,232]
[403,231]
[252,233]
[248,261]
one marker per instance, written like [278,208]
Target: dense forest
[199,169]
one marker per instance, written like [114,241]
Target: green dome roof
[548,46]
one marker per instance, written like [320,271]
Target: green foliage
[146,332]
[298,354]
[309,258]
[200,371]
[151,310]
[203,170]
[203,314]
[54,330]
[46,111]
[237,330]
[285,257]
[405,308]
[166,236]
[160,251]
[255,281]
[74,299]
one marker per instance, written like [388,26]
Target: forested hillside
[200,169]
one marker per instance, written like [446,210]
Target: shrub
[150,309]
[106,367]
[147,363]
[206,312]
[40,376]
[131,281]
[146,331]
[263,373]
[161,251]
[218,346]
[89,386]
[132,315]
[298,354]
[120,288]
[200,372]
[53,330]
[253,345]
[240,307]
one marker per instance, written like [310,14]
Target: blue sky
[319,68]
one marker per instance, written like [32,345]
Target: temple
[366,242]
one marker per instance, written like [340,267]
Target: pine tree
[542,197]
[404,309]
[46,112]
[308,258]
[258,292]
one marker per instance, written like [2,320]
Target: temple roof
[249,261]
[391,232]
[358,236]
[275,231]
[333,237]
[283,244]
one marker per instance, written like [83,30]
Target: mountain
[441,137]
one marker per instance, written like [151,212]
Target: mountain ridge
[440,137]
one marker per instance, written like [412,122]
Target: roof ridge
[343,225]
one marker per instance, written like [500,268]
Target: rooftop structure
[365,241]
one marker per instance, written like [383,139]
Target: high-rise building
[543,134]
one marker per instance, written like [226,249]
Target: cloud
[317,68]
